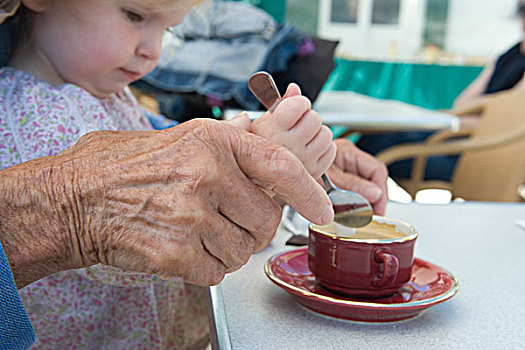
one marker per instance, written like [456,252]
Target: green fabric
[276,8]
[427,85]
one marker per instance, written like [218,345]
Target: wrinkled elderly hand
[360,172]
[186,201]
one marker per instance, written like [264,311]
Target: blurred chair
[491,166]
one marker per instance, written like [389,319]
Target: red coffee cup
[367,262]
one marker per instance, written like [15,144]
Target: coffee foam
[374,230]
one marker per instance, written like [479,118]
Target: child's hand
[241,121]
[296,126]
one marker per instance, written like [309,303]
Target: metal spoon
[351,209]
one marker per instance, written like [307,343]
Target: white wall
[475,29]
[376,41]
[482,28]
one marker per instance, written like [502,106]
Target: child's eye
[133,16]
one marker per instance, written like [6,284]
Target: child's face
[103,45]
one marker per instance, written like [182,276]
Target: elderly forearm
[34,229]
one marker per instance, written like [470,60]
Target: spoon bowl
[350,208]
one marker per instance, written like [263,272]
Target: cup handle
[391,264]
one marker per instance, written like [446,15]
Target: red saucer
[429,285]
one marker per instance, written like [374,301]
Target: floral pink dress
[98,307]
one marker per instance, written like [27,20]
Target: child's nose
[149,49]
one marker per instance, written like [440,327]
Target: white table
[478,242]
[363,113]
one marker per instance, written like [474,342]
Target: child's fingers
[290,111]
[324,162]
[307,127]
[319,154]
[287,119]
[320,143]
[292,90]
[241,121]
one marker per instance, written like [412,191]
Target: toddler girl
[69,75]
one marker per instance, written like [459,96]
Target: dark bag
[310,72]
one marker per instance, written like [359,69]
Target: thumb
[292,90]
[241,121]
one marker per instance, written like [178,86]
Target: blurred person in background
[505,74]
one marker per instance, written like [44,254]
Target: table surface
[479,243]
[363,113]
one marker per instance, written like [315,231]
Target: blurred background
[368,59]
[423,52]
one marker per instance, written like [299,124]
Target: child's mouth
[130,74]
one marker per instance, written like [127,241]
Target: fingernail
[328,214]
[373,193]
[241,115]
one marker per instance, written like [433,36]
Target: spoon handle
[329,186]
[262,85]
